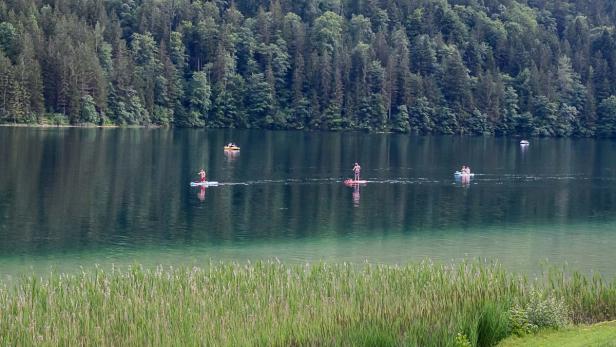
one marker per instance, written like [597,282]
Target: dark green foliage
[607,117]
[545,116]
[87,112]
[259,100]
[400,121]
[433,66]
[492,325]
[422,115]
[199,102]
[8,39]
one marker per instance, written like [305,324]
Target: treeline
[532,67]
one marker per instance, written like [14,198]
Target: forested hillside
[532,67]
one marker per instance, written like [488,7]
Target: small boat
[232,148]
[204,184]
[524,143]
[461,174]
[350,182]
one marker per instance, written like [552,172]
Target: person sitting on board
[468,170]
[356,170]
[463,170]
[202,175]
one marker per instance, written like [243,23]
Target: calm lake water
[79,197]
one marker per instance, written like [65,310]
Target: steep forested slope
[542,67]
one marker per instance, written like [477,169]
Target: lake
[72,197]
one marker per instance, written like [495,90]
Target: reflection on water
[464,180]
[356,195]
[98,195]
[201,193]
[232,155]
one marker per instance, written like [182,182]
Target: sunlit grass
[270,303]
[599,335]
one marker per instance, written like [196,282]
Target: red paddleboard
[351,182]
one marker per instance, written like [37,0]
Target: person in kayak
[465,170]
[356,171]
[202,175]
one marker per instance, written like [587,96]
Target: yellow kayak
[232,148]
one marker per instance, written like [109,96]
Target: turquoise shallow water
[79,197]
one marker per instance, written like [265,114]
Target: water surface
[77,197]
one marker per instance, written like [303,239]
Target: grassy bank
[277,304]
[599,335]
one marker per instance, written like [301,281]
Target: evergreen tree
[400,121]
[9,40]
[455,81]
[199,102]
[607,117]
[6,77]
[545,114]
[259,100]
[510,112]
[422,116]
[88,113]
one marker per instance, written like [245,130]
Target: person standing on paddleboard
[202,175]
[356,171]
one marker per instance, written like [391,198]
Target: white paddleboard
[355,182]
[204,184]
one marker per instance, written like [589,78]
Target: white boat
[204,184]
[524,143]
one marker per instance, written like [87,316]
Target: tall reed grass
[274,304]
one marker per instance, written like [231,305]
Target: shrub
[56,119]
[538,313]
[462,341]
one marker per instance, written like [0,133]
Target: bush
[538,313]
[462,341]
[55,119]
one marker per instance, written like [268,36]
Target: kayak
[232,148]
[459,174]
[351,182]
[203,184]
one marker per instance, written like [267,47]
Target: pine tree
[545,114]
[199,102]
[510,111]
[422,116]
[400,121]
[606,113]
[33,80]
[88,113]
[9,40]
[259,100]
[455,81]
[5,83]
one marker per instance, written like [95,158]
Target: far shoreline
[87,126]
[309,130]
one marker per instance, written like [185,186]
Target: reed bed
[275,304]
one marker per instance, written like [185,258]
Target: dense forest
[531,67]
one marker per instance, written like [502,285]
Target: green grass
[600,335]
[284,305]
